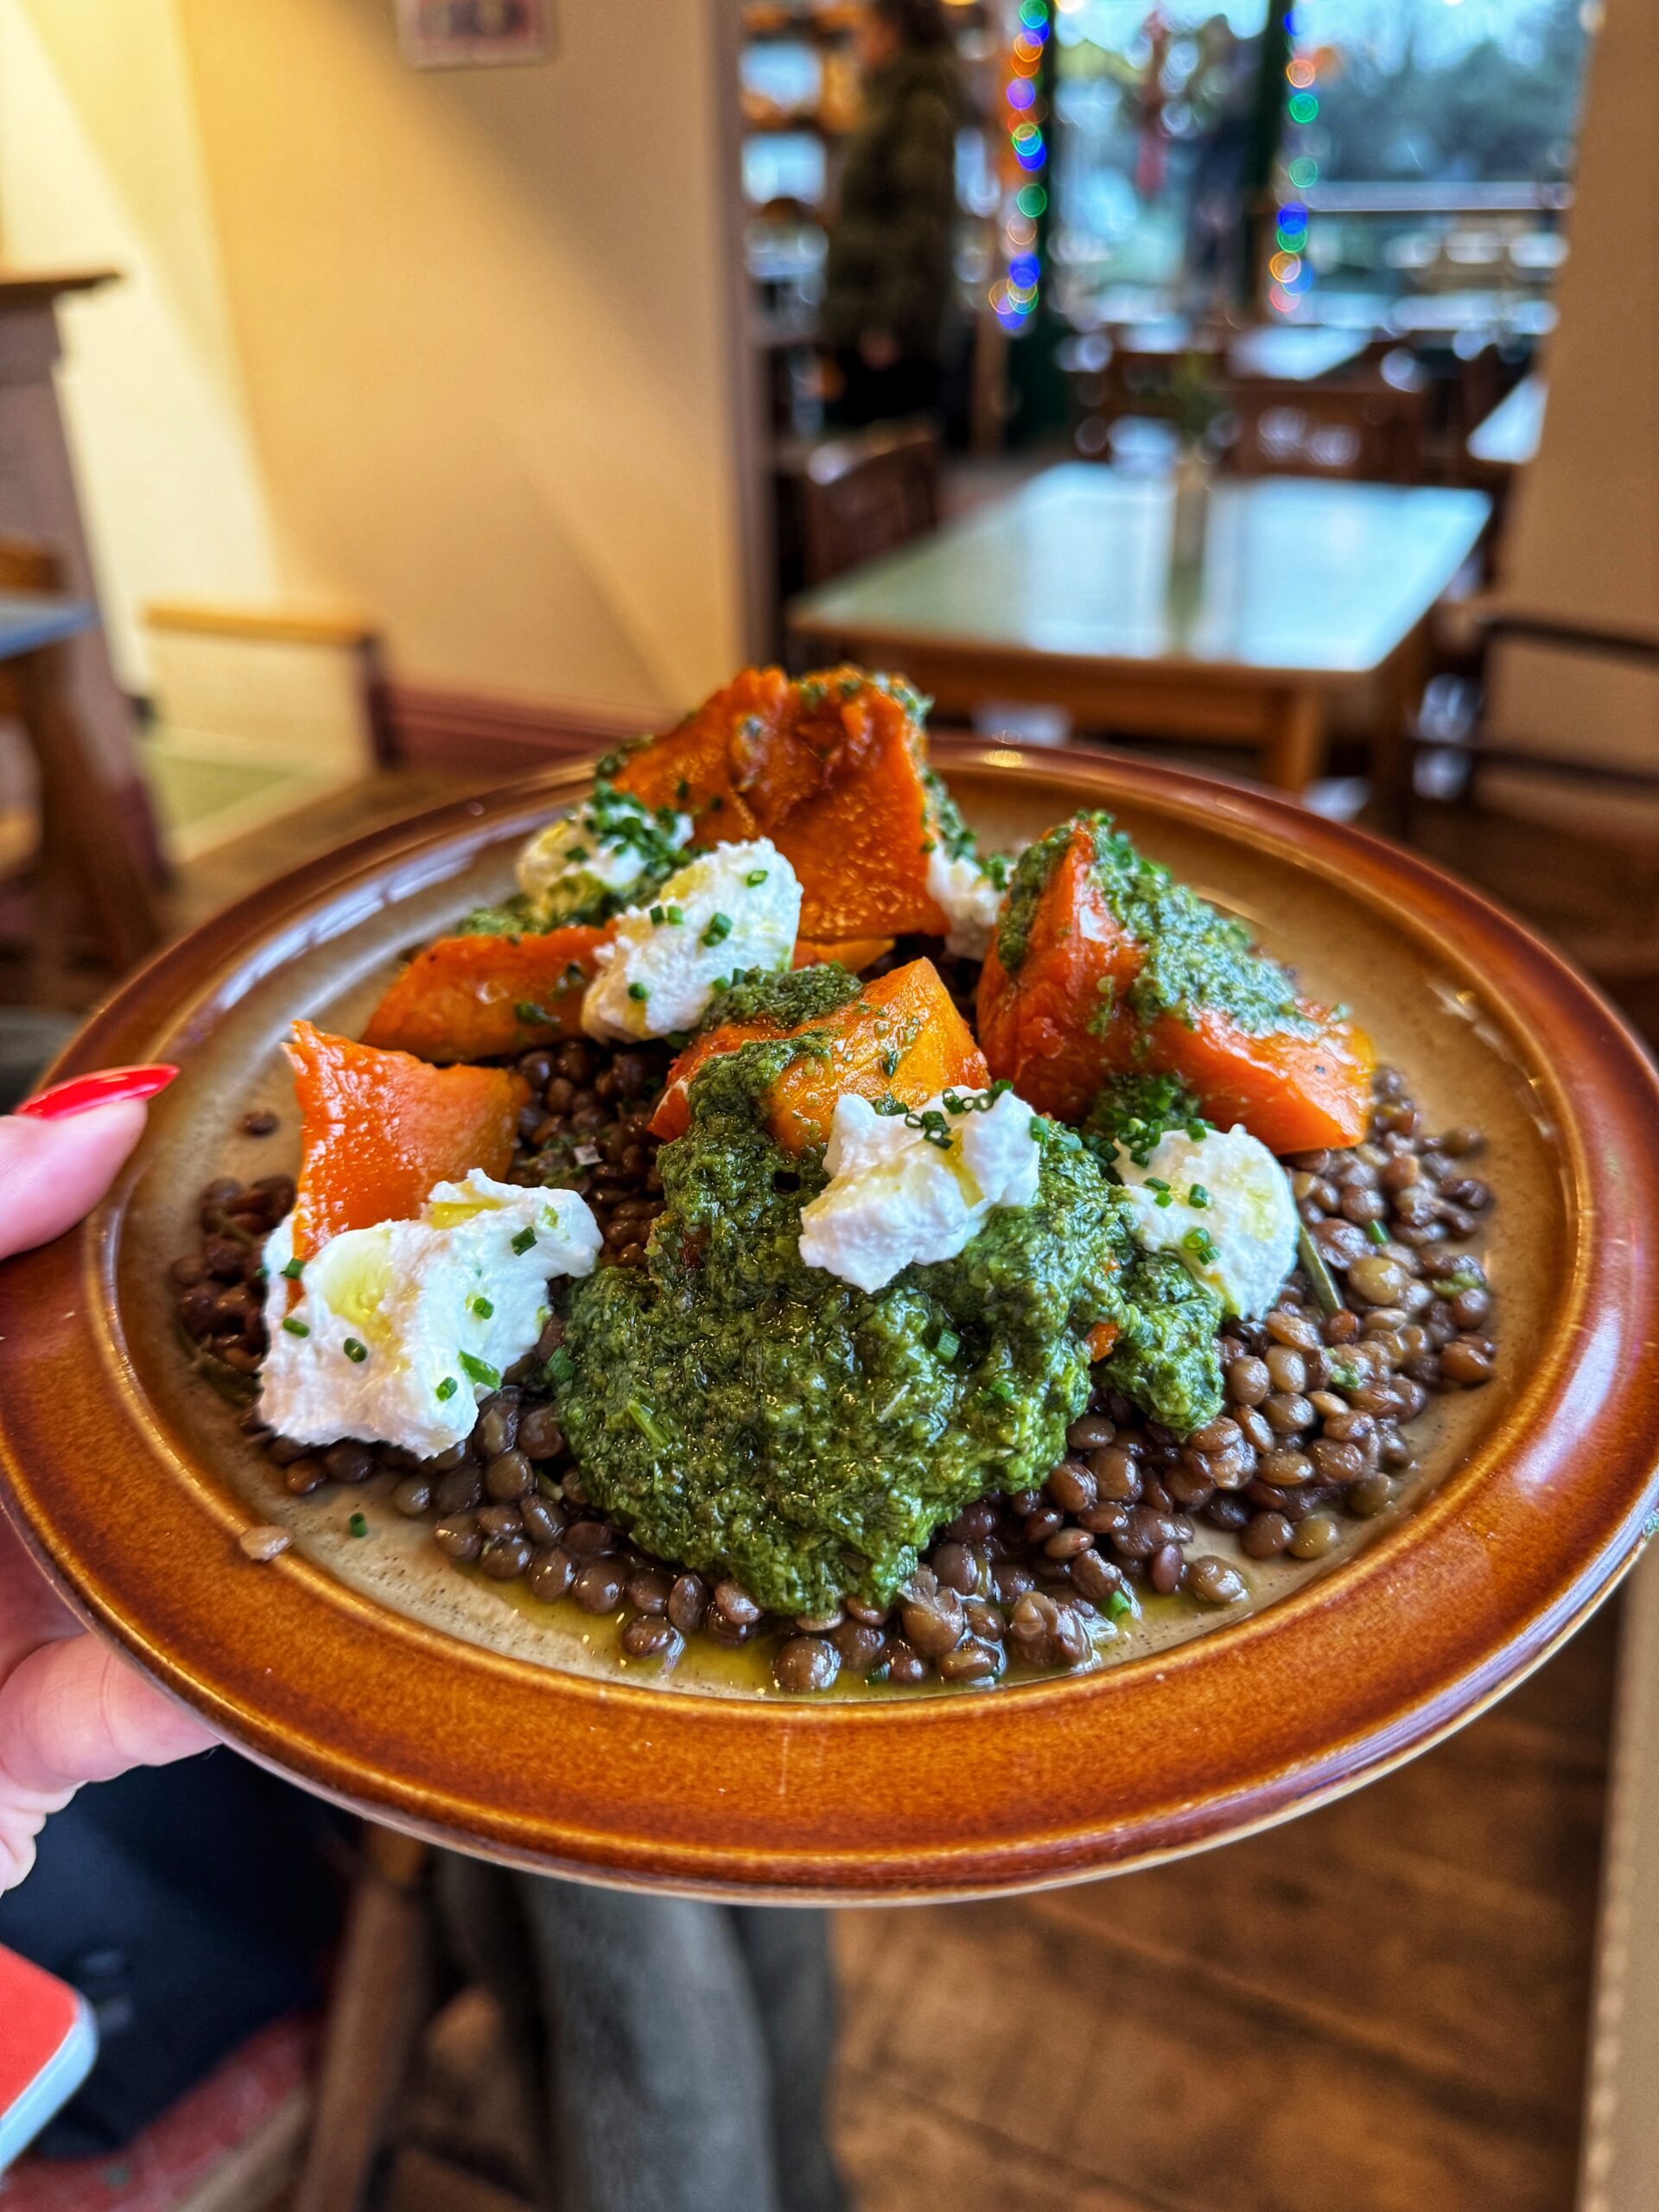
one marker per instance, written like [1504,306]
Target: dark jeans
[191,1905]
[910,386]
[675,2054]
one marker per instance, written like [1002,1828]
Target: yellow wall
[483,321]
[451,349]
[100,164]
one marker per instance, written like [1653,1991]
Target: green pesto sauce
[946,825]
[1165,1359]
[1195,957]
[798,994]
[742,1413]
[512,918]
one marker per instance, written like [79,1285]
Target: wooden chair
[867,493]
[93,877]
[1570,837]
[1367,430]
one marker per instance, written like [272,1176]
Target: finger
[75,1712]
[53,1173]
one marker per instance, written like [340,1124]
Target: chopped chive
[355,1352]
[638,993]
[675,916]
[1326,1294]
[293,1270]
[949,1345]
[446,1390]
[296,1328]
[718,929]
[482,1307]
[560,1366]
[1198,1196]
[755,877]
[647,1425]
[1375,1232]
[359,1524]
[658,916]
[479,1370]
[523,1240]
[1118,1604]
[1345,1375]
[1199,1244]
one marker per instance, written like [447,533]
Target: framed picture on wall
[473,34]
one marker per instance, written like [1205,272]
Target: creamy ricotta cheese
[598,849]
[969,899]
[1223,1204]
[734,908]
[907,1187]
[393,1334]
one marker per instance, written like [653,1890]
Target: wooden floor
[1379,2008]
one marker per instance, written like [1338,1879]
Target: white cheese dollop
[736,906]
[969,899]
[898,1195]
[601,846]
[433,1309]
[1247,1214]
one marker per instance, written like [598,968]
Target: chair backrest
[1368,431]
[866,495]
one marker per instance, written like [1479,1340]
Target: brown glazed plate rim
[956,1795]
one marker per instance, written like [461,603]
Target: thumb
[51,1173]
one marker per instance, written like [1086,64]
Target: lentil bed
[1319,1408]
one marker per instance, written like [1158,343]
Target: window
[1154,107]
[1426,154]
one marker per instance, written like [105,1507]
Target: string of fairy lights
[1017,287]
[1289,272]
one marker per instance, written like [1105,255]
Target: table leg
[1294,751]
[89,862]
[1401,683]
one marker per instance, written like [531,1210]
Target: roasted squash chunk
[1103,964]
[900,1037]
[379,1129]
[475,998]
[831,769]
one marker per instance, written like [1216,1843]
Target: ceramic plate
[374,1671]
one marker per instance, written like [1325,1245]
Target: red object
[104,1089]
[46,2047]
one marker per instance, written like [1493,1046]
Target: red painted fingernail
[86,1091]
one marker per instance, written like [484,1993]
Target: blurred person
[887,274]
[674,2053]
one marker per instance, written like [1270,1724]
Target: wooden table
[1065,595]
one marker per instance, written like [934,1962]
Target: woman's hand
[71,1710]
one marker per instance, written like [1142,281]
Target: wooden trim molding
[426,726]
